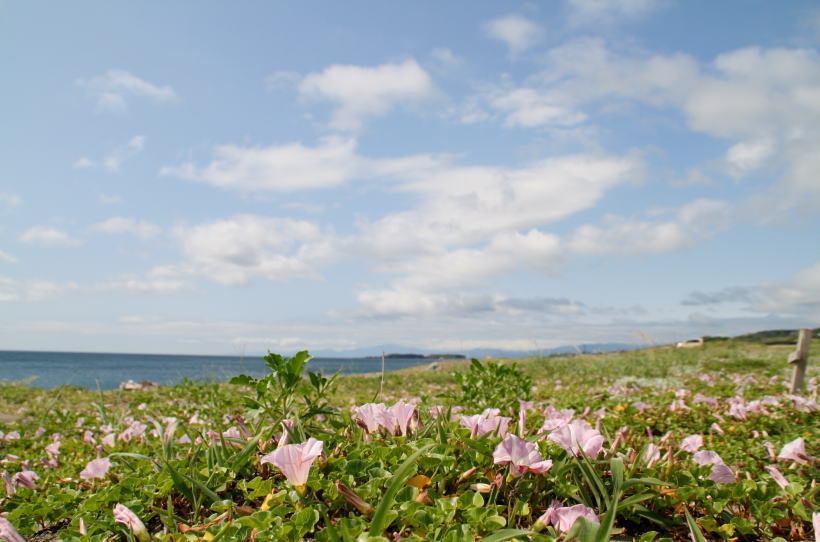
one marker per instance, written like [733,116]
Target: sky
[237,177]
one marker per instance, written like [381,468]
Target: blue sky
[202,177]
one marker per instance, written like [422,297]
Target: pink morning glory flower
[295,460]
[96,468]
[8,532]
[565,517]
[578,436]
[721,474]
[795,451]
[522,456]
[778,476]
[402,413]
[125,516]
[370,416]
[706,457]
[692,443]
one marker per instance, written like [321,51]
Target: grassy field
[655,444]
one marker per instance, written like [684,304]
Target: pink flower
[402,412]
[652,454]
[370,416]
[125,516]
[522,456]
[691,443]
[96,468]
[295,460]
[25,478]
[706,457]
[10,486]
[566,516]
[486,422]
[578,436]
[721,474]
[8,532]
[795,451]
[778,476]
[108,440]
[553,419]
[716,428]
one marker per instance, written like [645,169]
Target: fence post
[800,359]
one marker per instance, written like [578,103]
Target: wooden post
[800,358]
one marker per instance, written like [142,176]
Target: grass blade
[506,534]
[379,522]
[697,535]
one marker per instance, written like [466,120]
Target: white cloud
[115,159]
[84,163]
[766,102]
[360,92]
[597,11]
[12,290]
[282,79]
[527,108]
[9,202]
[475,223]
[747,156]
[119,225]
[446,57]
[235,250]
[516,31]
[5,257]
[693,222]
[295,166]
[111,89]
[160,279]
[48,237]
[466,205]
[800,295]
[109,199]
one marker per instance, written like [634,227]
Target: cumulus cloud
[693,222]
[115,159]
[516,31]
[111,89]
[235,250]
[360,92]
[598,11]
[295,166]
[764,102]
[474,223]
[467,205]
[122,225]
[48,237]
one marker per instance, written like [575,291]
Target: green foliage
[191,481]
[491,385]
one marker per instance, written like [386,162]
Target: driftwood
[800,359]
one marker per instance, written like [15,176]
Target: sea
[107,371]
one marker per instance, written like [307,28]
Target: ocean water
[107,371]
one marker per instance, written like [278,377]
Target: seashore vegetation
[656,444]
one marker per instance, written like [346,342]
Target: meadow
[657,444]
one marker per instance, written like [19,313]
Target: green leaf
[379,522]
[697,535]
[507,534]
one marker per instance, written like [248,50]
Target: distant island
[419,356]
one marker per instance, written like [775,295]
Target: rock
[130,385]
